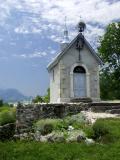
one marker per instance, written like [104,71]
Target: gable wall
[68,60]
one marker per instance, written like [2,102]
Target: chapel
[74,72]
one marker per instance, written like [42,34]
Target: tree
[47,96]
[1,102]
[38,99]
[110,53]
[41,99]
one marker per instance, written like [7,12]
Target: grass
[62,151]
[5,107]
[31,150]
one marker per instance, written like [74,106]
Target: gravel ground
[91,117]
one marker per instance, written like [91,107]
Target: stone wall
[105,107]
[27,114]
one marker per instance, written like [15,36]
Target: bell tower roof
[66,36]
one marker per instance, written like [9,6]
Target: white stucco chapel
[74,72]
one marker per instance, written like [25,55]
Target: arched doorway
[79,82]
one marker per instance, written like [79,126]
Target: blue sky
[31,31]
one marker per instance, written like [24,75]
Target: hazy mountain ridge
[12,95]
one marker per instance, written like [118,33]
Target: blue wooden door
[79,84]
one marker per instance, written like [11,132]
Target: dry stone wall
[27,114]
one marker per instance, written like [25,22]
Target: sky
[31,32]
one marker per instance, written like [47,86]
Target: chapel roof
[59,56]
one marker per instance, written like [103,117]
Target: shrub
[107,130]
[7,131]
[7,116]
[45,126]
[77,121]
[100,129]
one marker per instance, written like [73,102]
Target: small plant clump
[7,113]
[7,116]
[45,126]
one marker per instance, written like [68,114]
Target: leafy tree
[47,96]
[110,53]
[38,99]
[1,102]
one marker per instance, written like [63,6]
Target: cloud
[38,55]
[21,30]
[51,51]
[32,55]
[46,17]
[26,30]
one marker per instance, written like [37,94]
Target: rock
[21,137]
[89,141]
[16,137]
[37,136]
[31,136]
[43,139]
[55,138]
[81,138]
[59,139]
[75,136]
[25,135]
[71,139]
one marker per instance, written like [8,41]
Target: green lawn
[71,151]
[106,132]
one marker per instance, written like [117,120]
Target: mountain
[12,95]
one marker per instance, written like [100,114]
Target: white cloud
[21,30]
[23,55]
[37,55]
[27,30]
[31,55]
[48,15]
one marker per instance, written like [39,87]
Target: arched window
[79,69]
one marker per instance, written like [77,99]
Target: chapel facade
[74,73]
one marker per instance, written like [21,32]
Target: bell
[81,26]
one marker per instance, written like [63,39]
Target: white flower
[70,128]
